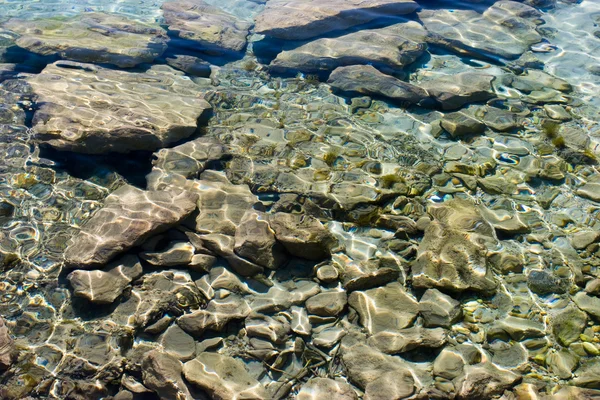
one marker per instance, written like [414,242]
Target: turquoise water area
[299,199]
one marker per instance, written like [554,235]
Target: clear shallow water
[302,227]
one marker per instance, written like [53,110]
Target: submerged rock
[129,216]
[481,35]
[90,109]
[208,28]
[223,377]
[7,350]
[366,79]
[161,373]
[103,287]
[454,91]
[453,252]
[379,311]
[302,235]
[301,19]
[325,388]
[92,37]
[216,315]
[439,309]
[408,339]
[385,47]
[255,241]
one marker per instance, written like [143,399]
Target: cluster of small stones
[300,244]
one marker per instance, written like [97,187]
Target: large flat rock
[92,37]
[386,47]
[90,109]
[207,27]
[303,19]
[366,79]
[129,216]
[497,32]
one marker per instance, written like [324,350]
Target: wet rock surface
[294,19]
[91,109]
[129,217]
[92,38]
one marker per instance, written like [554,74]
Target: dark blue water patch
[132,166]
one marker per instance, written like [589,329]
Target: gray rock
[190,65]
[90,109]
[274,329]
[366,79]
[103,287]
[385,47]
[255,241]
[300,323]
[302,235]
[545,282]
[202,262]
[325,388]
[378,308]
[366,364]
[92,37]
[222,204]
[7,71]
[215,316]
[222,377]
[582,239]
[590,190]
[516,328]
[299,19]
[401,341]
[129,216]
[178,343]
[588,376]
[362,275]
[453,252]
[327,304]
[223,246]
[176,253]
[7,349]
[209,28]
[161,373]
[562,363]
[458,124]
[454,91]
[327,273]
[482,381]
[589,304]
[391,385]
[496,33]
[328,337]
[439,309]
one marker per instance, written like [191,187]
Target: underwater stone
[378,308]
[454,91]
[543,282]
[178,343]
[7,350]
[223,377]
[325,388]
[408,339]
[161,372]
[589,304]
[302,19]
[568,324]
[590,190]
[215,316]
[439,309]
[223,246]
[459,124]
[176,253]
[365,79]
[208,28]
[255,241]
[302,235]
[89,109]
[103,287]
[453,252]
[274,329]
[190,65]
[300,323]
[582,239]
[92,37]
[391,385]
[327,304]
[386,48]
[484,36]
[129,216]
[483,381]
